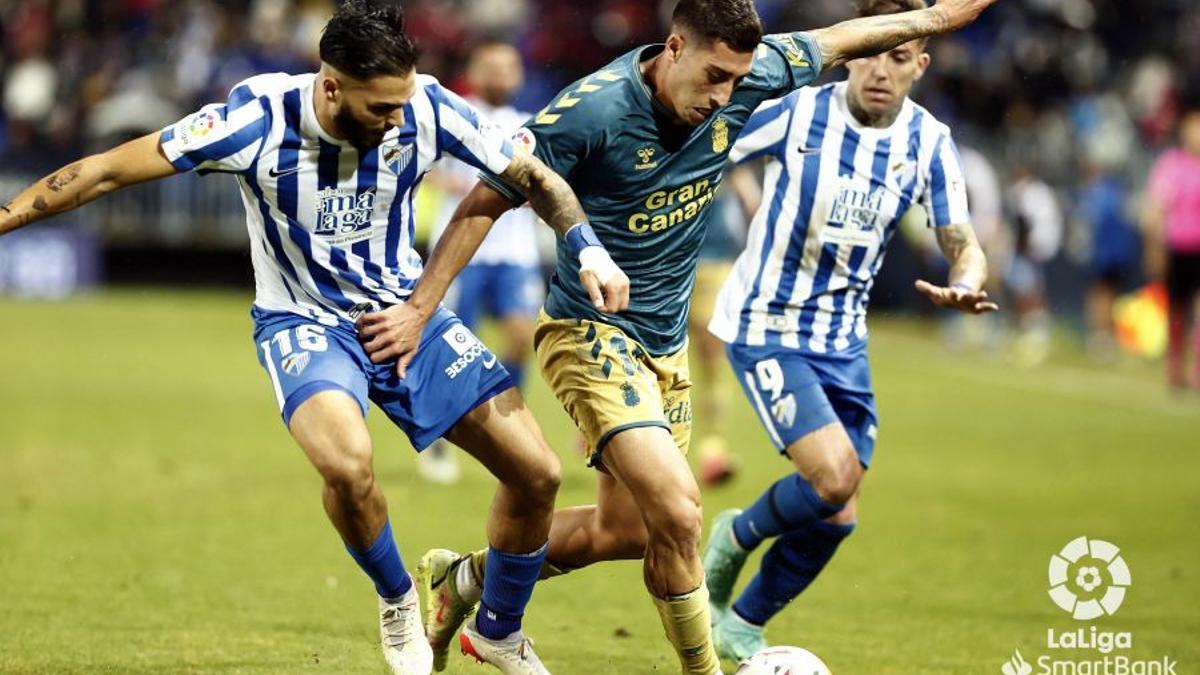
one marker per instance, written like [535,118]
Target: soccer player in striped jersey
[644,142]
[844,163]
[327,164]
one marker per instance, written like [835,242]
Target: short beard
[350,129]
[880,120]
[495,98]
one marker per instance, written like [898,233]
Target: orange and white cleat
[513,655]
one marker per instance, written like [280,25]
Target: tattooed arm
[551,198]
[873,35]
[395,333]
[968,272]
[72,186]
[968,265]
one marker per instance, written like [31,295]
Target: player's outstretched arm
[968,272]
[873,35]
[74,185]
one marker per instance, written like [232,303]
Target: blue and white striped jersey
[834,192]
[330,227]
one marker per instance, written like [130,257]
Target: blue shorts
[499,290]
[795,393]
[452,374]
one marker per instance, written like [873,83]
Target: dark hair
[734,22]
[365,39]
[880,7]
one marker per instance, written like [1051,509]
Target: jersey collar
[635,73]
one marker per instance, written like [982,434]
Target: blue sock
[788,567]
[516,370]
[507,587]
[382,563]
[787,505]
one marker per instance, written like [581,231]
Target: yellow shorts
[608,382]
[710,277]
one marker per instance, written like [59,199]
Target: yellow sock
[685,618]
[549,569]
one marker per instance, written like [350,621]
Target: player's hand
[958,13]
[609,297]
[394,333]
[952,297]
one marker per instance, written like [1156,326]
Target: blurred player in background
[644,141]
[504,279]
[735,203]
[1036,221]
[845,162]
[1173,240]
[1103,210]
[327,164]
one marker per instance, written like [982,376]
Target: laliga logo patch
[1088,578]
[469,350]
[197,127]
[525,140]
[295,363]
[460,339]
[202,125]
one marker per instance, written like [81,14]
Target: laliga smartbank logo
[1088,580]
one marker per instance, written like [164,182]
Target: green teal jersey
[645,182]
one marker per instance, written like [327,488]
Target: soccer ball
[783,661]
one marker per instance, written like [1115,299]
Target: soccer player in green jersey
[643,142]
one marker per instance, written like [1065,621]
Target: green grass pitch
[156,518]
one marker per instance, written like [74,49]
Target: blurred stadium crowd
[1052,85]
[1061,105]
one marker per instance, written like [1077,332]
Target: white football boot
[513,655]
[404,645]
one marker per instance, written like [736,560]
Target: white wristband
[596,259]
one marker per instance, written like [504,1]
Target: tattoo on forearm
[953,239]
[556,203]
[63,178]
[40,204]
[550,196]
[960,247]
[877,34]
[7,207]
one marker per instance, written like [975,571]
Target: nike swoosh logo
[809,151]
[276,174]
[488,363]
